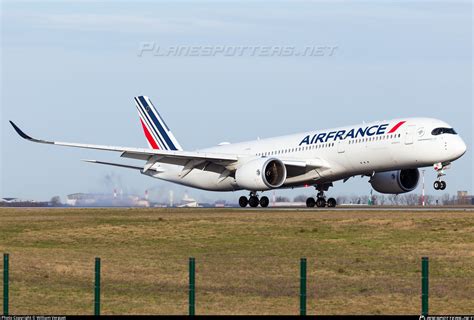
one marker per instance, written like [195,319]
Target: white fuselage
[340,153]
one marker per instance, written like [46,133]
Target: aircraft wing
[150,155]
[188,159]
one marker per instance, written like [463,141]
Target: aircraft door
[341,146]
[409,134]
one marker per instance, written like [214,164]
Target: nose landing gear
[440,184]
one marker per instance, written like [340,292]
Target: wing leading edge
[173,157]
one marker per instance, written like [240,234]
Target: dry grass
[247,262]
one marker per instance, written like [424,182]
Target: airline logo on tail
[156,131]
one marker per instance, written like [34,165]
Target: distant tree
[412,199]
[55,201]
[408,199]
[364,199]
[402,199]
[300,198]
[393,198]
[341,199]
[380,199]
[429,199]
[445,199]
[355,199]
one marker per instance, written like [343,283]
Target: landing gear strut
[253,201]
[321,202]
[440,184]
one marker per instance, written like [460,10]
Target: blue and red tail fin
[156,131]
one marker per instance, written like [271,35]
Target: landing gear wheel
[437,185]
[253,201]
[310,202]
[320,203]
[243,201]
[331,202]
[264,202]
[442,186]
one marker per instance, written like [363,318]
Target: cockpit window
[438,131]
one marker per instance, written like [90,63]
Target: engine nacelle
[261,174]
[395,182]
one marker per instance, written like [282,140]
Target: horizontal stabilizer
[114,164]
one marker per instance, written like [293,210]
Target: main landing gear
[321,202]
[440,184]
[253,201]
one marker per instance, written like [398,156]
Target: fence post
[303,286]
[424,286]
[97,288]
[5,283]
[192,287]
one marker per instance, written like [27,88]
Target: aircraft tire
[442,186]
[243,202]
[310,202]
[320,203]
[253,201]
[264,202]
[332,202]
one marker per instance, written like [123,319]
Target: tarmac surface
[367,208]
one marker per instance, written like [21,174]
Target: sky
[69,72]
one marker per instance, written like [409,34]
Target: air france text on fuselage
[323,137]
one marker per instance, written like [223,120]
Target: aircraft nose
[460,148]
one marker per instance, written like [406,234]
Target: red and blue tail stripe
[156,131]
[153,138]
[149,137]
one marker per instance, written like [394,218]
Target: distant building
[188,202]
[464,198]
[105,200]
[16,202]
[220,204]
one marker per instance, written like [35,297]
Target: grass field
[247,262]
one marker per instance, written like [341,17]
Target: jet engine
[395,182]
[261,174]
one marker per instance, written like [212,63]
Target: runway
[367,208]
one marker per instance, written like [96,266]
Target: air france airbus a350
[389,152]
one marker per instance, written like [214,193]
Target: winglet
[21,133]
[27,137]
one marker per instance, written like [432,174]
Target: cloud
[121,23]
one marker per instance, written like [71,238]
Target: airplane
[388,152]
